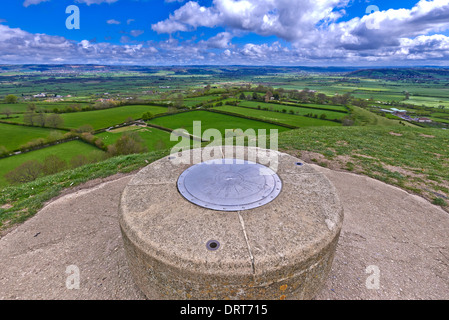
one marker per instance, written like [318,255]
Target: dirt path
[402,236]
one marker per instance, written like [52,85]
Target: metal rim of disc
[229,185]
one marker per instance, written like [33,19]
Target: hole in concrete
[299,164]
[213,245]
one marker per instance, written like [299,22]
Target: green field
[101,119]
[190,102]
[210,120]
[366,118]
[154,139]
[433,102]
[289,119]
[319,106]
[295,109]
[65,151]
[23,106]
[13,136]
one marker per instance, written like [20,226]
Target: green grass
[12,136]
[23,106]
[297,110]
[154,139]
[320,106]
[190,102]
[65,151]
[210,120]
[433,102]
[414,159]
[25,200]
[366,118]
[101,119]
[289,119]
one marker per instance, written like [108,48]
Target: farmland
[154,139]
[100,119]
[289,119]
[211,120]
[112,103]
[12,137]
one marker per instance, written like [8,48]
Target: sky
[225,32]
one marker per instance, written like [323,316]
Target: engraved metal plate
[229,185]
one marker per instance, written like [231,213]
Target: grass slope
[65,151]
[414,159]
[12,136]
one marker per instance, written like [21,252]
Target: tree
[55,136]
[321,98]
[54,121]
[28,118]
[53,164]
[179,101]
[10,98]
[40,118]
[3,151]
[128,143]
[255,96]
[26,172]
[242,96]
[407,95]
[147,116]
[7,112]
[79,161]
[31,107]
[85,128]
[268,96]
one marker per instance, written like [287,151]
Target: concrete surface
[402,235]
[282,250]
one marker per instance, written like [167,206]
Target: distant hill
[180,70]
[388,73]
[396,74]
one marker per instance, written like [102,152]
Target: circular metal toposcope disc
[229,185]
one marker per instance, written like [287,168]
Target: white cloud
[136,33]
[287,19]
[112,21]
[31,2]
[312,31]
[188,17]
[89,2]
[220,41]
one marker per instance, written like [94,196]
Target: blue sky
[250,32]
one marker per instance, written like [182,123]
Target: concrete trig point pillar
[222,230]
